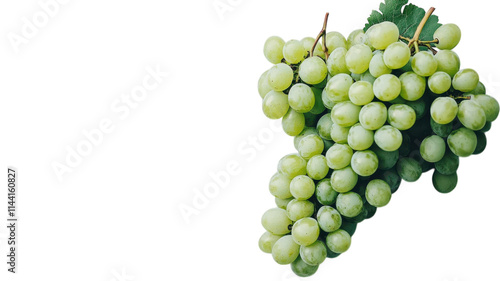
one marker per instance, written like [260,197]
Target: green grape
[285,250]
[310,119]
[305,231]
[349,227]
[267,241]
[345,114]
[397,55]
[424,64]
[343,180]
[338,241]
[308,42]
[293,122]
[448,61]
[377,66]
[310,146]
[444,183]
[317,167]
[364,163]
[302,187]
[405,148]
[448,35]
[439,82]
[426,166]
[264,86]
[356,77]
[313,70]
[465,80]
[360,138]
[328,144]
[409,169]
[276,221]
[358,58]
[336,62]
[279,186]
[294,51]
[471,115]
[302,269]
[349,204]
[327,102]
[292,165]
[420,108]
[441,130]
[489,105]
[486,127]
[324,126]
[401,116]
[387,87]
[329,219]
[388,138]
[335,40]
[462,142]
[444,110]
[361,93]
[301,98]
[448,164]
[378,193]
[392,178]
[373,115]
[355,37]
[282,203]
[318,107]
[275,105]
[432,149]
[412,86]
[297,209]
[338,86]
[386,159]
[481,143]
[273,49]
[325,193]
[313,254]
[305,132]
[367,77]
[479,90]
[280,77]
[383,34]
[339,134]
[339,156]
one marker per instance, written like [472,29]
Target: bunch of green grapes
[369,116]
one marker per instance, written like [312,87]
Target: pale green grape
[293,122]
[302,269]
[264,86]
[310,146]
[317,167]
[489,105]
[356,77]
[364,163]
[327,102]
[336,62]
[378,193]
[267,241]
[345,114]
[349,204]
[338,86]
[335,40]
[275,105]
[462,142]
[305,231]
[292,165]
[479,90]
[324,126]
[424,64]
[397,55]
[439,82]
[338,241]
[273,49]
[302,187]
[339,134]
[313,70]
[325,193]
[401,116]
[471,115]
[344,180]
[358,58]
[377,66]
[361,93]
[282,203]
[294,51]
[301,98]
[305,132]
[308,42]
[448,35]
[355,37]
[373,115]
[465,80]
[339,156]
[280,77]
[381,35]
[298,209]
[448,61]
[276,221]
[409,169]
[412,86]
[360,138]
[444,183]
[387,87]
[366,76]
[388,138]
[444,110]
[313,254]
[433,148]
[285,250]
[329,219]
[279,186]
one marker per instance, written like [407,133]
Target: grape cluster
[365,115]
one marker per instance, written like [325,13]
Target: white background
[116,215]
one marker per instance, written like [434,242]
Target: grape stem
[415,42]
[322,34]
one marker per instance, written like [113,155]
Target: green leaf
[406,16]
